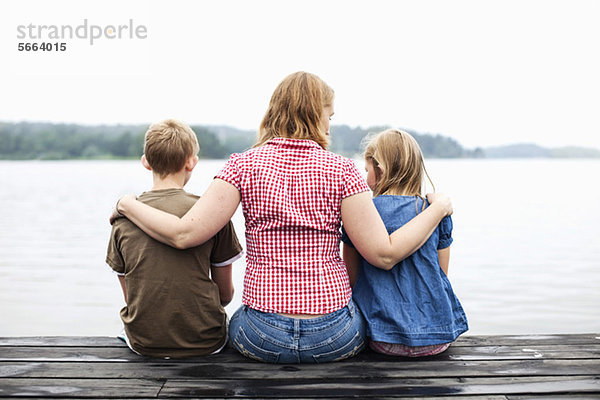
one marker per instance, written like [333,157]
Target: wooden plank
[472,353]
[333,388]
[475,340]
[408,369]
[582,351]
[564,396]
[475,397]
[498,367]
[62,341]
[523,340]
[64,388]
[76,354]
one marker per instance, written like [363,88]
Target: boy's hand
[441,200]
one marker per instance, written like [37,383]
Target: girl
[296,302]
[411,309]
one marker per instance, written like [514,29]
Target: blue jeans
[273,338]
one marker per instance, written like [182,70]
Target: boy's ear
[191,163]
[145,163]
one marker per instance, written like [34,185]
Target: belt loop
[296,333]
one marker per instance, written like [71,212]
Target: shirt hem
[230,261]
[420,339]
[327,310]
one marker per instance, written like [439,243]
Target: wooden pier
[475,367]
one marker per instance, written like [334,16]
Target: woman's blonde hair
[398,163]
[296,109]
[168,145]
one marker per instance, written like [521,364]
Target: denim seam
[249,353]
[268,338]
[339,332]
[355,350]
[331,339]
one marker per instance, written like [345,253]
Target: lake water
[525,258]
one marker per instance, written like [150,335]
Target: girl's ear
[379,170]
[145,163]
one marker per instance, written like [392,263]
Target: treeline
[349,141]
[46,141]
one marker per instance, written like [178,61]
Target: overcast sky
[483,72]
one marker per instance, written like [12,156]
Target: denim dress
[413,303]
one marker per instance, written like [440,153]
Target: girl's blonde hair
[296,109]
[398,163]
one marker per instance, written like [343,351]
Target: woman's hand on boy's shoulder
[441,200]
[116,214]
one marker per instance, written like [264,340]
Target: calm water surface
[525,258]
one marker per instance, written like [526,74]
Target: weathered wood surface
[476,367]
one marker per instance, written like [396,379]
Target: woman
[295,194]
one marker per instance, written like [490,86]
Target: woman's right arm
[369,235]
[206,217]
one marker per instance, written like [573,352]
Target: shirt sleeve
[230,172]
[226,247]
[445,233]
[353,181]
[114,259]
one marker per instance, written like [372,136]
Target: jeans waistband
[289,322]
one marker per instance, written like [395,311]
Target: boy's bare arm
[123,287]
[222,277]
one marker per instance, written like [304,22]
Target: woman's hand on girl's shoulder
[441,200]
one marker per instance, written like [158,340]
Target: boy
[173,307]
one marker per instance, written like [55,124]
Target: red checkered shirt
[292,191]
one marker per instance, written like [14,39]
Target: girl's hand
[441,200]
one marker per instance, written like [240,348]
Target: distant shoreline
[51,141]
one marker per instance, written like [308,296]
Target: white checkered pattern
[291,192]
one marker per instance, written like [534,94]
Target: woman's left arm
[206,217]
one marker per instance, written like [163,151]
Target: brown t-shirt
[173,307]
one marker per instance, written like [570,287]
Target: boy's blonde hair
[296,108]
[398,163]
[168,145]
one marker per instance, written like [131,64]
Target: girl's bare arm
[352,261]
[444,256]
